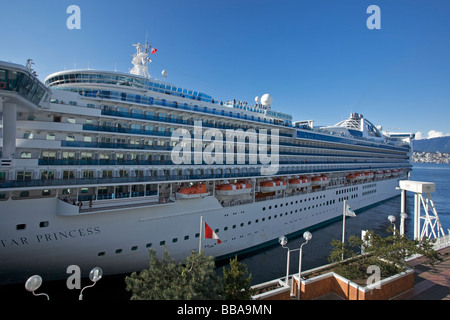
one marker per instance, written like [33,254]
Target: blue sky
[317,58]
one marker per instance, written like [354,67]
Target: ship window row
[23,226]
[318,136]
[346,190]
[226,228]
[296,202]
[127,81]
[25,85]
[61,177]
[365,193]
[141,114]
[145,100]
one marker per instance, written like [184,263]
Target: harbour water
[270,263]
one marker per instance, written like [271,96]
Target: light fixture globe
[95,274]
[307,235]
[283,240]
[33,283]
[391,218]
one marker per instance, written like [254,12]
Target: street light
[95,275]
[391,218]
[33,283]
[402,223]
[307,236]
[283,241]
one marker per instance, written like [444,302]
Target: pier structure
[431,224]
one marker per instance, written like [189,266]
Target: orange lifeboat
[355,177]
[232,189]
[368,175]
[320,180]
[299,182]
[196,191]
[379,174]
[272,185]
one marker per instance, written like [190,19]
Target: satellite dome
[266,99]
[257,99]
[164,73]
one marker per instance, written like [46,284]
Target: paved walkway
[430,282]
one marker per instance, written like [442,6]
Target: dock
[424,282]
[430,282]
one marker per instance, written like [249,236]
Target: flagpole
[201,235]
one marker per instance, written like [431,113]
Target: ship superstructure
[97,167]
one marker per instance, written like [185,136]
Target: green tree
[390,253]
[167,280]
[396,248]
[235,283]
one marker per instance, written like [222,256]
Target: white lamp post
[283,241]
[307,236]
[391,218]
[95,275]
[33,283]
[402,223]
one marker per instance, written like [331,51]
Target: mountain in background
[441,144]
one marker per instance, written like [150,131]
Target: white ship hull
[118,240]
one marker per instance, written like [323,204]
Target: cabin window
[43,224]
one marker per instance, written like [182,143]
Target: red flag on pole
[153,50]
[210,234]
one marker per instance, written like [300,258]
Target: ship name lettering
[13,242]
[73,233]
[48,237]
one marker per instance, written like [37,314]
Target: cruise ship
[98,167]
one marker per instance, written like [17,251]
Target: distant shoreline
[431,157]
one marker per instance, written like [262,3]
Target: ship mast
[141,60]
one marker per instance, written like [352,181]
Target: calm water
[270,263]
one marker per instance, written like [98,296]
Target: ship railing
[175,120]
[164,177]
[153,147]
[138,99]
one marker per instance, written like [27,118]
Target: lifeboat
[396,172]
[299,182]
[379,174]
[355,177]
[387,173]
[368,175]
[196,191]
[232,189]
[272,185]
[320,180]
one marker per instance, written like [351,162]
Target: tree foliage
[195,279]
[167,280]
[236,285]
[390,253]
